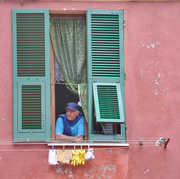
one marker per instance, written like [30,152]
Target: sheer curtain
[69,42]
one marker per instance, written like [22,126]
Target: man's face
[71,115]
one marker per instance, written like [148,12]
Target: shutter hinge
[50,129]
[124,23]
[125,76]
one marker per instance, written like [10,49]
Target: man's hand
[77,138]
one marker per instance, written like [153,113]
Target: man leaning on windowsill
[70,126]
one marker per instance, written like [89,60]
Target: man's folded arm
[76,138]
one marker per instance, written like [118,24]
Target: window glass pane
[106,128]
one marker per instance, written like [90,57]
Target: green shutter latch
[124,23]
[125,76]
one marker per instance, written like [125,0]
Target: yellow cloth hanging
[78,157]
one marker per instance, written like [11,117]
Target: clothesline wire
[51,140]
[95,149]
[37,143]
[86,139]
[79,144]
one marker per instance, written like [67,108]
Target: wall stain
[146,171]
[154,75]
[152,72]
[59,169]
[151,45]
[99,172]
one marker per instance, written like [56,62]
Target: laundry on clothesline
[73,157]
[64,156]
[89,155]
[78,157]
[52,159]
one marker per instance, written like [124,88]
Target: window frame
[52,119]
[88,127]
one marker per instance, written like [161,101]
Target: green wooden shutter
[108,102]
[105,59]
[31,74]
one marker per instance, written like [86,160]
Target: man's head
[72,111]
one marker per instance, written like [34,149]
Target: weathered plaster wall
[152,97]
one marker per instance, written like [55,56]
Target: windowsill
[88,144]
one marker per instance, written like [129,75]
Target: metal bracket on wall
[166,142]
[125,76]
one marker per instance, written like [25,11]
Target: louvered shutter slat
[105,45]
[108,102]
[31,117]
[30,31]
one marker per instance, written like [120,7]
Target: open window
[68,37]
[34,94]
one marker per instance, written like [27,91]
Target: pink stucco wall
[152,98]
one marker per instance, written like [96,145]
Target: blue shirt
[76,129]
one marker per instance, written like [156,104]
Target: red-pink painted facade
[152,92]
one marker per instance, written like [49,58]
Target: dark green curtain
[69,42]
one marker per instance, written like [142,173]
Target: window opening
[70,59]
[105,128]
[63,96]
